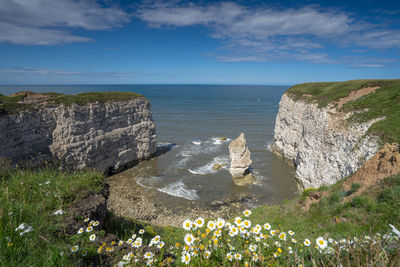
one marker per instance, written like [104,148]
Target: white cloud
[46,22]
[266,34]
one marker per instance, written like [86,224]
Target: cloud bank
[49,22]
[266,34]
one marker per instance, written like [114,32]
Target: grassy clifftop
[382,103]
[23,100]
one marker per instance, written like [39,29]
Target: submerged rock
[240,161]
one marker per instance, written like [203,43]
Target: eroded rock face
[319,142]
[106,136]
[239,154]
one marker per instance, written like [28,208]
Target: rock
[248,179]
[319,142]
[240,157]
[217,166]
[108,136]
[223,138]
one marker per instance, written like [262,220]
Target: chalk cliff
[106,135]
[319,142]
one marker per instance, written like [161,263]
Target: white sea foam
[209,167]
[179,189]
[197,143]
[148,182]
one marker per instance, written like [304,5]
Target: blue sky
[199,42]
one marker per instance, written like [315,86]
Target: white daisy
[92,237]
[247,213]
[187,224]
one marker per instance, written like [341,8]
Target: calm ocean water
[194,117]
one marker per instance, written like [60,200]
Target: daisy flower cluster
[86,234]
[237,242]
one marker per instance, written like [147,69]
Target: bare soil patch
[356,94]
[386,162]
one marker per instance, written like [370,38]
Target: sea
[200,121]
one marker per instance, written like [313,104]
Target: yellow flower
[10,244]
[177,245]
[279,250]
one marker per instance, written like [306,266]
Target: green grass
[383,103]
[370,212]
[26,198]
[10,104]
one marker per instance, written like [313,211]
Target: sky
[197,42]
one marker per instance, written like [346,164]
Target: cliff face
[319,142]
[107,136]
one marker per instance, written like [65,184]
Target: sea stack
[239,154]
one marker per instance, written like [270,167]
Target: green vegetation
[84,98]
[31,197]
[9,104]
[383,103]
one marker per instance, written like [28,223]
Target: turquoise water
[194,117]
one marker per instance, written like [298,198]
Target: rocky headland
[327,131]
[107,131]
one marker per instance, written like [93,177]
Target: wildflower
[91,223]
[141,231]
[217,233]
[150,262]
[185,258]
[229,256]
[74,249]
[58,212]
[277,244]
[246,223]
[148,255]
[294,241]
[211,225]
[155,240]
[96,223]
[282,236]
[307,242]
[279,250]
[290,232]
[109,249]
[267,226]
[220,223]
[272,232]
[276,254]
[322,244]
[133,236]
[189,239]
[330,240]
[80,231]
[290,249]
[92,237]
[89,229]
[254,257]
[247,213]
[99,250]
[199,222]
[238,256]
[86,220]
[120,243]
[161,244]
[187,224]
[137,243]
[253,247]
[113,243]
[130,240]
[238,221]
[126,257]
[207,254]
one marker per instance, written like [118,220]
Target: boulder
[239,154]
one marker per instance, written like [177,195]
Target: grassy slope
[48,245]
[26,198]
[384,102]
[11,105]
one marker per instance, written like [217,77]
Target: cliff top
[365,99]
[27,99]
